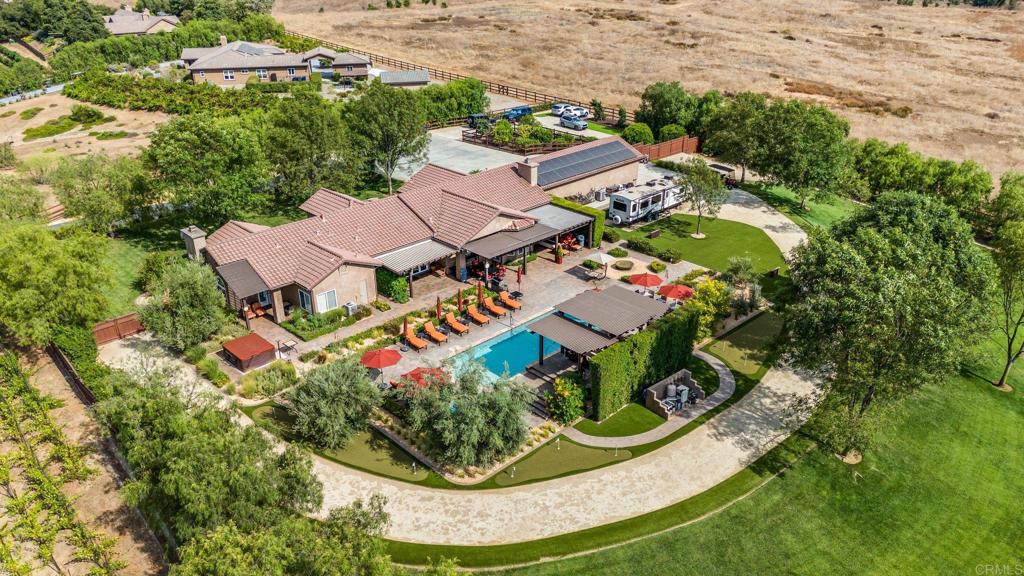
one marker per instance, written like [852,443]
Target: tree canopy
[885,302]
[19,201]
[333,402]
[100,190]
[186,306]
[703,188]
[390,126]
[664,103]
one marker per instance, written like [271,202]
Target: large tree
[732,130]
[19,201]
[703,189]
[664,103]
[47,281]
[802,146]
[309,147]
[1009,257]
[102,191]
[214,166]
[333,402]
[390,125]
[887,301]
[186,306]
[471,422]
[1009,204]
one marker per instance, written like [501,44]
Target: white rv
[643,202]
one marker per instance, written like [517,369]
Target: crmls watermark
[999,569]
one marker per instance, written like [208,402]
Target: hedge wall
[598,215]
[619,373]
[79,346]
[156,94]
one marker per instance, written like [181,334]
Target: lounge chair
[434,334]
[507,300]
[494,308]
[456,326]
[475,315]
[414,340]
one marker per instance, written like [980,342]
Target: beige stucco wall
[358,71]
[217,76]
[347,281]
[620,175]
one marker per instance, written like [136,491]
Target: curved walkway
[726,388]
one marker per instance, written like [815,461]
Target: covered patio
[420,260]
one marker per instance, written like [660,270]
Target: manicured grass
[634,418]
[557,458]
[724,239]
[125,262]
[816,215]
[746,350]
[604,129]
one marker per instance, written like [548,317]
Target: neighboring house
[602,163]
[127,22]
[235,63]
[405,78]
[343,64]
[441,220]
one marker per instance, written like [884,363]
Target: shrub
[209,368]
[333,403]
[623,265]
[392,285]
[670,255]
[641,245]
[454,99]
[618,252]
[49,128]
[309,355]
[598,215]
[154,266]
[565,402]
[590,265]
[268,381]
[7,157]
[656,267]
[619,373]
[381,305]
[85,114]
[671,132]
[638,133]
[690,278]
[195,354]
[30,113]
[611,235]
[157,94]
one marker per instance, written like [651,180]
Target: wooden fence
[485,140]
[517,92]
[687,144]
[117,328]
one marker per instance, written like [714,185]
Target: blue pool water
[515,350]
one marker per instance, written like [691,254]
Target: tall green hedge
[392,285]
[597,232]
[156,94]
[619,373]
[77,343]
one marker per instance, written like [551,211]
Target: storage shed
[250,351]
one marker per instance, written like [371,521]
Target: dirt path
[97,500]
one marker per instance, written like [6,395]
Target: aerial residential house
[344,65]
[235,63]
[127,22]
[405,78]
[441,222]
[601,164]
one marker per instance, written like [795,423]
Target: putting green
[632,419]
[558,458]
[745,349]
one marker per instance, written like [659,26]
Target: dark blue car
[513,114]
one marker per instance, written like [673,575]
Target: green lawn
[558,458]
[724,239]
[604,129]
[125,262]
[816,214]
[745,349]
[634,418]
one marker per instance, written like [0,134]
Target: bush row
[309,326]
[644,246]
[619,373]
[154,94]
[78,345]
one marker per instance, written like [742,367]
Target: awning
[501,243]
[559,218]
[615,310]
[569,334]
[241,279]
[405,259]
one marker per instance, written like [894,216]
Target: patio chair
[413,340]
[476,316]
[507,300]
[494,308]
[434,334]
[456,326]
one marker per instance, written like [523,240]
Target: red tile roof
[428,176]
[235,229]
[325,201]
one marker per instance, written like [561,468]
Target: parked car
[577,111]
[513,114]
[573,122]
[558,109]
[476,120]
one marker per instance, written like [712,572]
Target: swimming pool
[515,350]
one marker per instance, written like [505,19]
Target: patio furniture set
[456,325]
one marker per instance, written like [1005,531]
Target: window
[291,71]
[348,68]
[229,74]
[202,74]
[245,70]
[220,284]
[261,73]
[619,206]
[304,301]
[421,269]
[326,301]
[264,298]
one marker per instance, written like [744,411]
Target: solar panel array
[583,161]
[249,49]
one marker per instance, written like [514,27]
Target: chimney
[126,7]
[527,171]
[145,13]
[223,40]
[195,242]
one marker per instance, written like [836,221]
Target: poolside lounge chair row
[458,327]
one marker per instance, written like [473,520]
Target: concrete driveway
[449,151]
[552,122]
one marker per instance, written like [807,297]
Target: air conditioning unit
[600,195]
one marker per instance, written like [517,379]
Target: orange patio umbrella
[381,358]
[423,377]
[646,280]
[676,291]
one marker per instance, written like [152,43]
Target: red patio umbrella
[423,377]
[479,292]
[439,311]
[381,358]
[646,280]
[458,300]
[676,291]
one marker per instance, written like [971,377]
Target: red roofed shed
[250,351]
